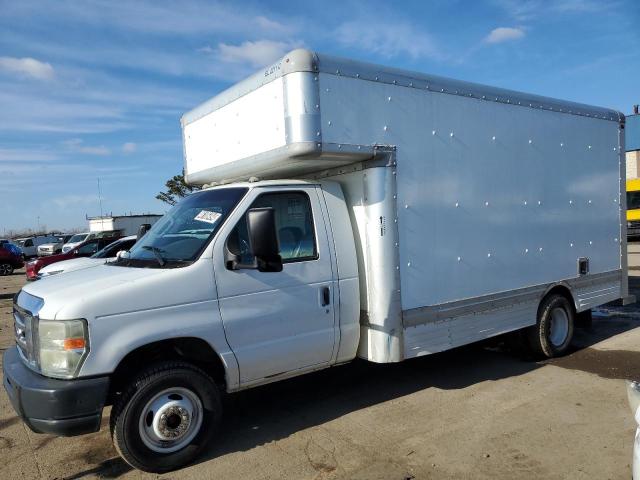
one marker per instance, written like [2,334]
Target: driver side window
[294,226]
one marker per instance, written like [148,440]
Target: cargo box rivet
[540,249]
[526,250]
[457,204]
[459,259]
[388,99]
[488,255]
[451,134]
[493,138]
[530,141]
[561,144]
[385,128]
[486,204]
[329,122]
[571,245]
[433,132]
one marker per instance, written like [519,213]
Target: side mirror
[263,238]
[142,229]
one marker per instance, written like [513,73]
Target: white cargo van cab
[350,210]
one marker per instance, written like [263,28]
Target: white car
[633,393]
[53,247]
[76,240]
[108,253]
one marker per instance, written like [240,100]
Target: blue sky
[95,89]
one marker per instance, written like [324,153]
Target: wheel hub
[558,327]
[170,420]
[172,423]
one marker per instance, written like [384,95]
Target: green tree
[176,188]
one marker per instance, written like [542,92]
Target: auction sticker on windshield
[207,216]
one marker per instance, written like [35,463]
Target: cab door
[277,322]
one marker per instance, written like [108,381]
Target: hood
[107,289]
[73,264]
[48,260]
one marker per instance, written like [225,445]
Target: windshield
[78,238]
[112,249]
[179,237]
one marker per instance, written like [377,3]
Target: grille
[24,330]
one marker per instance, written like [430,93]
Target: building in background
[123,224]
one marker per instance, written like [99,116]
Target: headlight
[62,347]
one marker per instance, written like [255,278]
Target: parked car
[30,244]
[108,253]
[84,249]
[75,240]
[53,247]
[13,247]
[9,259]
[633,395]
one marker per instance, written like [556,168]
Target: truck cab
[190,291]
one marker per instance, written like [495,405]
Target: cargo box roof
[301,60]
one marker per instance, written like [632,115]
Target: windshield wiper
[158,253]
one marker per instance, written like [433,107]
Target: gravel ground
[475,412]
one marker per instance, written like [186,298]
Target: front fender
[112,337]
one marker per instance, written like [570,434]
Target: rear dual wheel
[551,335]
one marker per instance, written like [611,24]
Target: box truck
[348,210]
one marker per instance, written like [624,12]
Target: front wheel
[551,335]
[166,417]
[6,269]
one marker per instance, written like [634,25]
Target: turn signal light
[73,343]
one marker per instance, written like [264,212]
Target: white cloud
[256,54]
[504,34]
[388,39]
[129,147]
[27,67]
[526,10]
[74,200]
[20,155]
[76,145]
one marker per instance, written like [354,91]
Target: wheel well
[561,290]
[190,349]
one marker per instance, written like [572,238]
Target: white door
[276,322]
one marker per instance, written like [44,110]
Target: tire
[551,335]
[159,399]
[6,269]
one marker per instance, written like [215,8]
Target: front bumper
[48,405]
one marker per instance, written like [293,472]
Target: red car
[9,260]
[85,249]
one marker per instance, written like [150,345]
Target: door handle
[325,295]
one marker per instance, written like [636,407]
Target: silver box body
[480,201]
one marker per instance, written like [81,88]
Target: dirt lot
[471,413]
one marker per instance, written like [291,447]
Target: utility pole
[100,201]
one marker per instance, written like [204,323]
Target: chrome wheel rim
[170,420]
[559,326]
[5,269]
